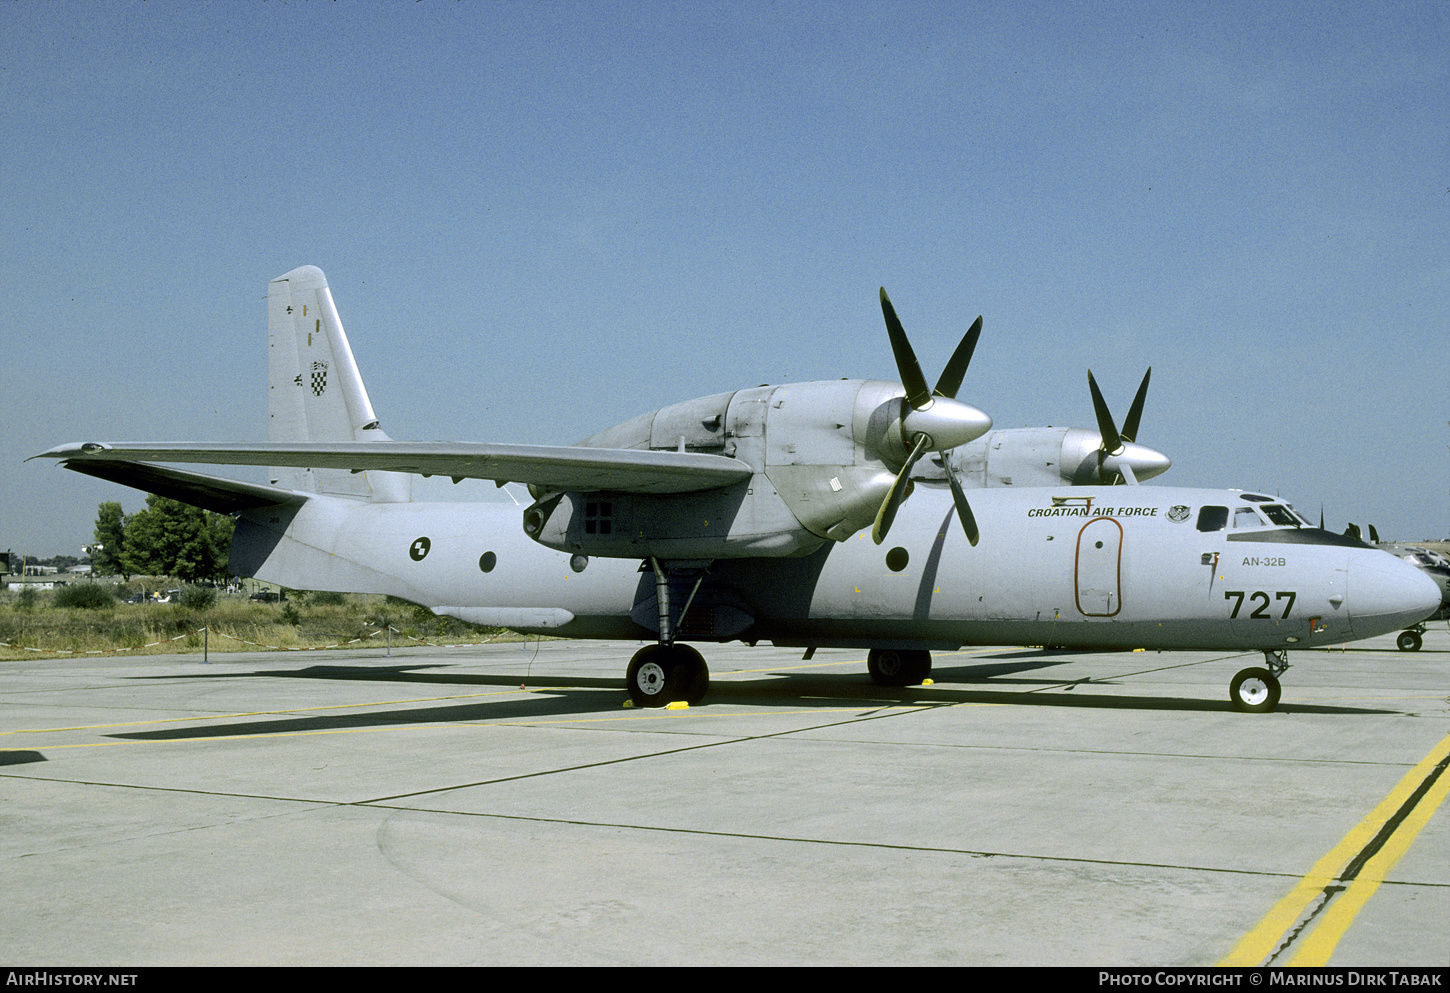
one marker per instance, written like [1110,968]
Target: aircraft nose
[1387,595]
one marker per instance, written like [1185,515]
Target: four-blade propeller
[1115,443]
[935,421]
[932,420]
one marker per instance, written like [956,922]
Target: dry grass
[234,623]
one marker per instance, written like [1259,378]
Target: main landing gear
[1255,690]
[898,666]
[667,673]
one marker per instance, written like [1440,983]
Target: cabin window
[1212,518]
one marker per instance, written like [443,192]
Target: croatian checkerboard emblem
[319,378]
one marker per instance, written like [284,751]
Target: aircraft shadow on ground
[553,698]
[19,756]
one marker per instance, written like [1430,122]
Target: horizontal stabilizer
[214,493]
[560,468]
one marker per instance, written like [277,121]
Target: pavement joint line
[382,804]
[875,715]
[882,845]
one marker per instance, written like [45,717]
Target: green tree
[110,537]
[171,538]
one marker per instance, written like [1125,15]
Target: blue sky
[540,219]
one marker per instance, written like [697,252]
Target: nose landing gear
[1256,690]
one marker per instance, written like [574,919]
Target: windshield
[1283,515]
[1244,517]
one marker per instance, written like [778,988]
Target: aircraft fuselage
[1090,567]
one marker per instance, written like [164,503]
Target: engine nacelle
[1050,457]
[824,456]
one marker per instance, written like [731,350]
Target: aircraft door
[1097,573]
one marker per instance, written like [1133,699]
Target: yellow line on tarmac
[1319,945]
[1263,940]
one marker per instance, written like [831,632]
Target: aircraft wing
[214,493]
[553,467]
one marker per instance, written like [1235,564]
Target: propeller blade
[951,377]
[887,514]
[1135,413]
[917,394]
[1374,535]
[1112,441]
[964,509]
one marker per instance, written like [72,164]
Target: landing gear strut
[667,673]
[1255,690]
[898,667]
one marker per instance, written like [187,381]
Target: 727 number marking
[1261,613]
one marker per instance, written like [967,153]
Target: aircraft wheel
[1254,691]
[648,677]
[898,667]
[661,674]
[1409,641]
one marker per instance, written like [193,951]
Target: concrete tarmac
[499,805]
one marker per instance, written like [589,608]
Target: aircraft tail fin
[315,392]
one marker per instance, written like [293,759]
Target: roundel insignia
[1178,513]
[419,549]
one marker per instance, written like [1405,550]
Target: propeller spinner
[932,420]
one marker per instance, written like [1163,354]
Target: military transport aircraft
[745,516]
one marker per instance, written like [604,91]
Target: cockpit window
[1212,518]
[1282,515]
[1244,517]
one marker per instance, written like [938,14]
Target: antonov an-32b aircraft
[806,515]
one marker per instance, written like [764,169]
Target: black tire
[648,677]
[898,667]
[664,674]
[692,675]
[1409,641]
[1254,691]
